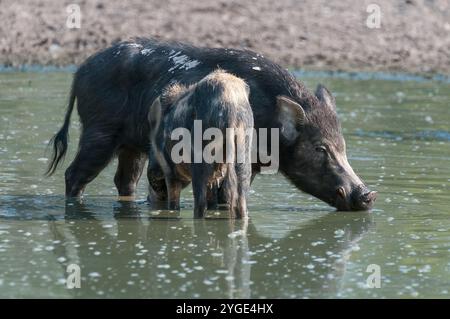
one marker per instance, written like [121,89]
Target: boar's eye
[321,149]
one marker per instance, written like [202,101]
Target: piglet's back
[222,100]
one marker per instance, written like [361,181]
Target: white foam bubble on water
[425,268]
[236,234]
[339,233]
[320,260]
[207,282]
[222,271]
[164,266]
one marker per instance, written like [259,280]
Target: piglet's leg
[243,175]
[211,196]
[200,177]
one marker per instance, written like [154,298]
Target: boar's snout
[359,198]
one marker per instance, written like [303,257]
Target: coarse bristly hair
[172,93]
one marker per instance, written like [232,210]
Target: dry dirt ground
[414,35]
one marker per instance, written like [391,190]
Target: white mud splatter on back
[147,52]
[181,61]
[127,45]
[133,45]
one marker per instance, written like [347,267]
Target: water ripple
[428,135]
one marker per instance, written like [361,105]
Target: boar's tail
[60,139]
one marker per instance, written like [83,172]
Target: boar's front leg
[174,187]
[129,170]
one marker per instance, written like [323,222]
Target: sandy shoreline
[414,35]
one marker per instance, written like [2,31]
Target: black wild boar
[115,87]
[217,109]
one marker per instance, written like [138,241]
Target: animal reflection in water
[138,256]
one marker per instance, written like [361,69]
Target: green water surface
[293,246]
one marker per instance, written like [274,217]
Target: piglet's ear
[291,116]
[154,115]
[325,97]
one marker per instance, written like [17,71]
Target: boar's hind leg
[129,170]
[95,150]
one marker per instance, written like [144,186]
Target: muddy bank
[414,35]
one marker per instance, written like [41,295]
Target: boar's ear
[154,115]
[325,97]
[291,116]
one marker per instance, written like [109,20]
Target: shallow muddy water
[293,246]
